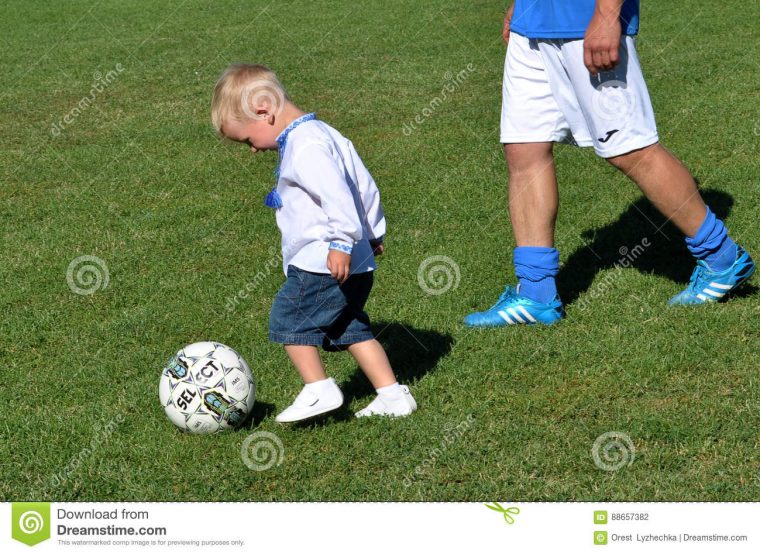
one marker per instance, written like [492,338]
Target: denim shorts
[314,309]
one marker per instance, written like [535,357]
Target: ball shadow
[261,411]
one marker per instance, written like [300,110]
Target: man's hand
[601,44]
[339,264]
[507,22]
[377,246]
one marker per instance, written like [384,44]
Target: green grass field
[136,177]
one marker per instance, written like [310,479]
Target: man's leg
[671,188]
[531,122]
[667,184]
[533,203]
[618,114]
[533,193]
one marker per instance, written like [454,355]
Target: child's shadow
[641,238]
[412,352]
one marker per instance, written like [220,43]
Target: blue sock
[536,267]
[712,244]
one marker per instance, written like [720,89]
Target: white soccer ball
[207,387]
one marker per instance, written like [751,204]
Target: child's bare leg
[373,360]
[392,398]
[307,361]
[319,394]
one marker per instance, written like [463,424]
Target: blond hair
[241,89]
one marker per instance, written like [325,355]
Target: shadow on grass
[413,353]
[261,411]
[641,238]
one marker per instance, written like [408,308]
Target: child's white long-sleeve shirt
[329,199]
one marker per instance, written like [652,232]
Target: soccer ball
[207,387]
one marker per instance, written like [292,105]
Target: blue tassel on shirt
[273,200]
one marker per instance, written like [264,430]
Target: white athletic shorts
[549,96]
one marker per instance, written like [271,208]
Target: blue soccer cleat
[513,309]
[711,286]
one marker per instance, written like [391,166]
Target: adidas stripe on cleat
[514,309]
[511,315]
[712,286]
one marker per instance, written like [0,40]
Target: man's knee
[627,163]
[528,156]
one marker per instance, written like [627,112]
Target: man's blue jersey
[565,18]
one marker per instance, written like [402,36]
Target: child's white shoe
[394,401]
[313,400]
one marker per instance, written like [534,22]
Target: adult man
[572,75]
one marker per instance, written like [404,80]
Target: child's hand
[377,246]
[339,264]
